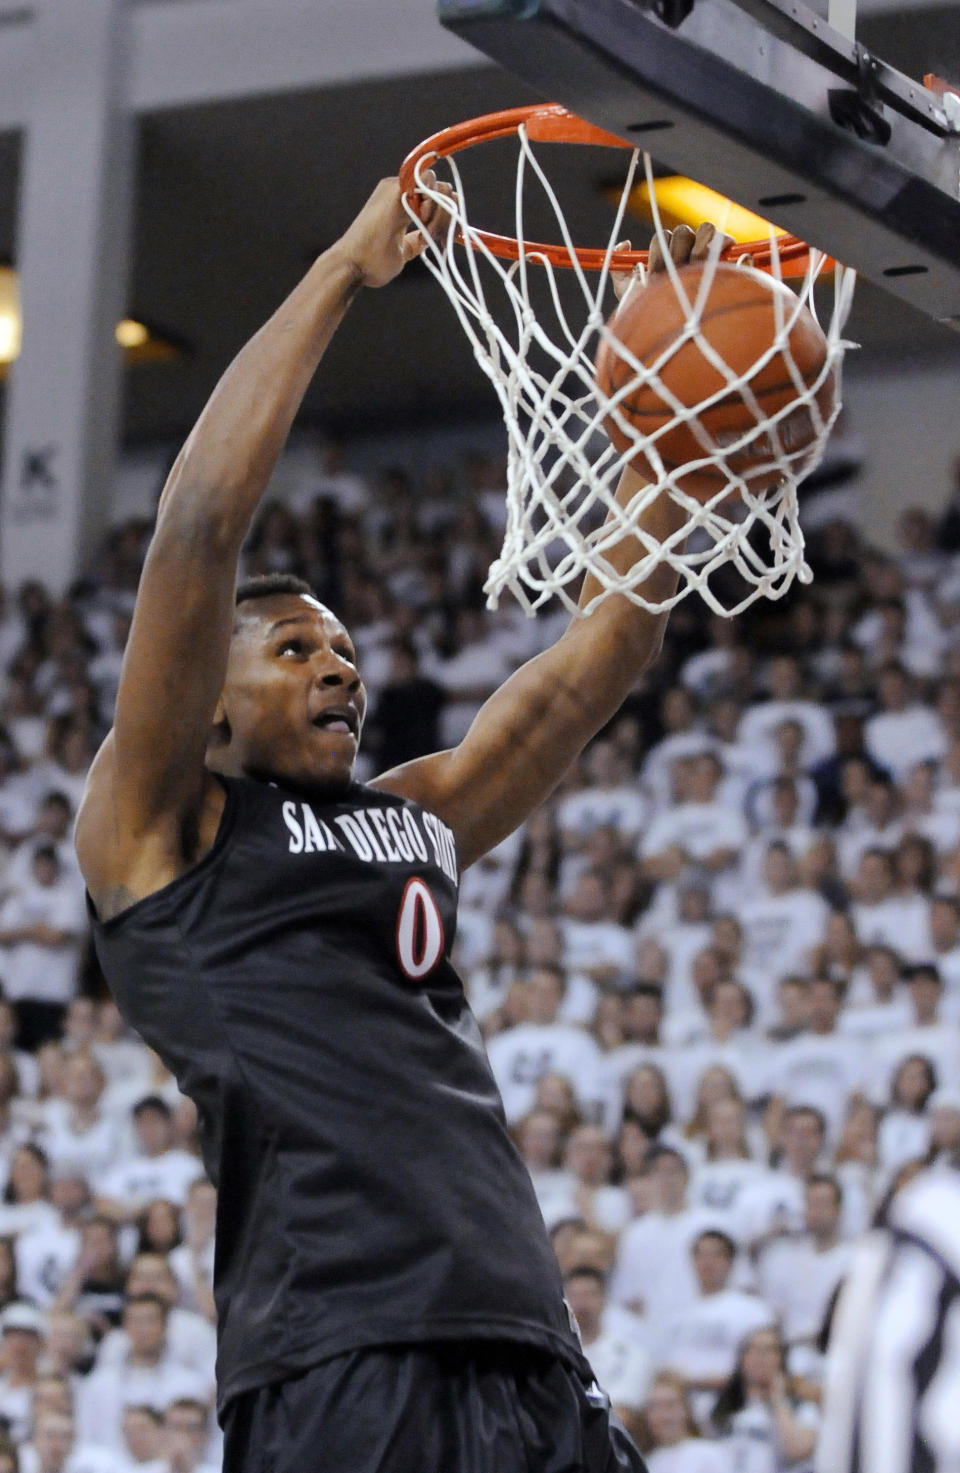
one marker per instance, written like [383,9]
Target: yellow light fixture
[9,315]
[131,334]
[139,343]
[682,201]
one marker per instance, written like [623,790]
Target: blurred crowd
[718,974]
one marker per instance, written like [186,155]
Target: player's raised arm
[149,796]
[528,733]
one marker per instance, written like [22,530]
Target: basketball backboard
[766,102]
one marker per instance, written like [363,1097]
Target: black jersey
[298,983]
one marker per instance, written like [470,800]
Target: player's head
[292,703]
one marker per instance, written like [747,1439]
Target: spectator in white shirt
[874,825]
[764,1424]
[821,1067]
[929,1034]
[611,798]
[647,1104]
[922,816]
[539,1142]
[683,738]
[521,1056]
[22,1329]
[186,1425]
[775,1203]
[903,732]
[26,1200]
[877,1004]
[594,941]
[945,952]
[143,1440]
[94,1289]
[159,1170]
[701,833]
[192,1261]
[675,1442]
[787,703]
[146,1375]
[700,1341]
[621,1367]
[782,927]
[729,1164]
[46,1254]
[653,1274]
[589,1159]
[79,1131]
[55,1450]
[189,1339]
[904,1133]
[42,924]
[883,916]
[799,1275]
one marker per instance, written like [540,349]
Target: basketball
[738,321]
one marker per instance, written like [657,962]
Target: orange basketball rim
[552,123]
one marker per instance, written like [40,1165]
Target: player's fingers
[681,244]
[655,258]
[707,240]
[622,280]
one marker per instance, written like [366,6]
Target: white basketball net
[563,471]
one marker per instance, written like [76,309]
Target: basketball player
[387,1295]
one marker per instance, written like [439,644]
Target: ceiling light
[140,343]
[9,315]
[682,201]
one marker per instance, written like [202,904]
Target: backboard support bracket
[736,94]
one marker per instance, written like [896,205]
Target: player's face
[293,702]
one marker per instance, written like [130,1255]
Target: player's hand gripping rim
[684,245]
[382,240]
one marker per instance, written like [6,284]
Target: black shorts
[437,1408]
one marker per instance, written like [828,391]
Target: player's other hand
[683,244]
[382,240]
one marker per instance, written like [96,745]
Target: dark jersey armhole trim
[158,897]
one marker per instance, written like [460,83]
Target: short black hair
[719,1236]
[155,1103]
[268,585]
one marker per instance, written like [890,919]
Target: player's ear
[220,732]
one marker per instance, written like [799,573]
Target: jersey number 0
[419,931]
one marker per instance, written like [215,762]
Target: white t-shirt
[938,1042]
[759,722]
[797,1281]
[621,1368]
[702,1340]
[16,1409]
[140,1181]
[822,1070]
[191,1344]
[103,1395]
[898,740]
[902,1137]
[653,1266]
[29,969]
[45,1258]
[623,808]
[717,1185]
[753,1444]
[588,945]
[697,828]
[91,1151]
[83,1458]
[693,1455]
[901,922]
[521,1056]
[780,932]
